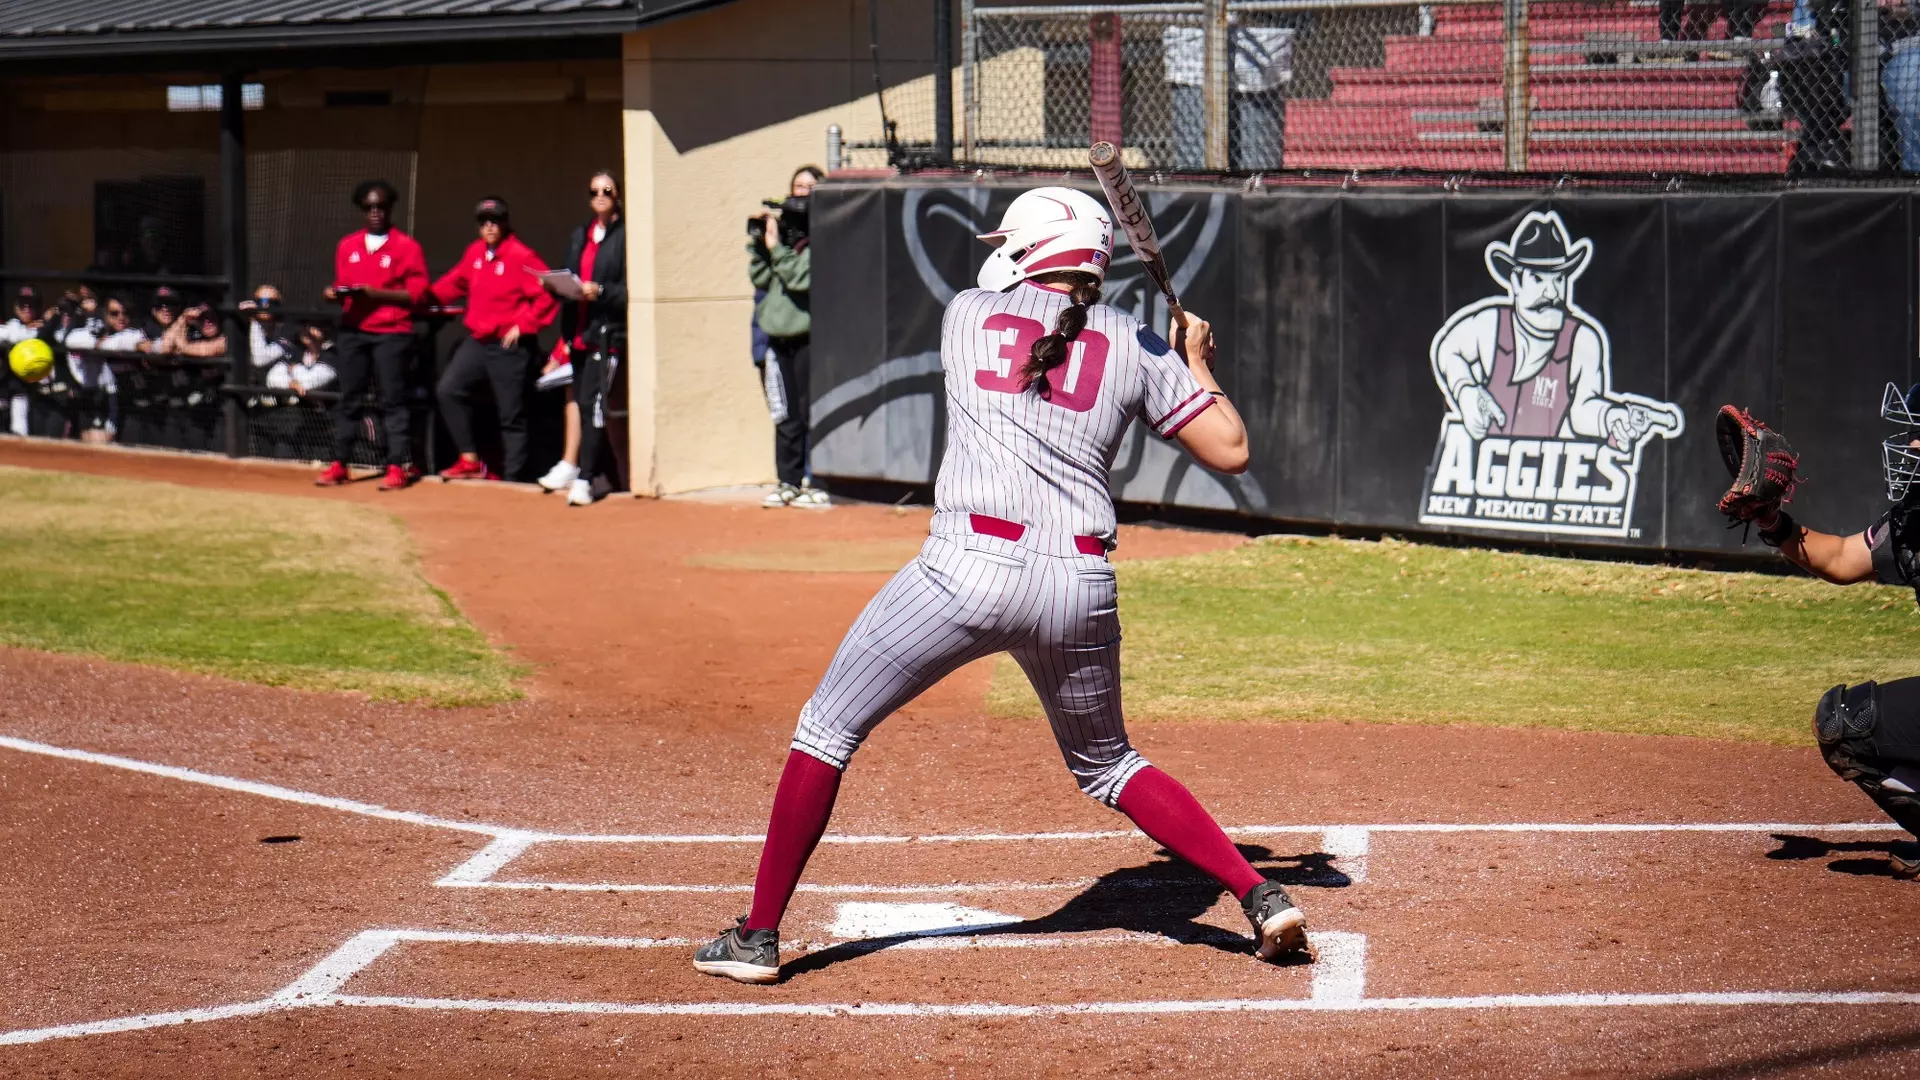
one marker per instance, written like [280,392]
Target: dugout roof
[254,30]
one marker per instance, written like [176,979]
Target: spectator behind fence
[88,398]
[267,340]
[162,311]
[1261,59]
[598,254]
[1684,21]
[1813,85]
[28,318]
[116,332]
[1900,83]
[192,390]
[779,261]
[379,277]
[307,368]
[507,307]
[77,311]
[197,333]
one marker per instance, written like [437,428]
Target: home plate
[857,920]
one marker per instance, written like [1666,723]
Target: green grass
[1294,628]
[283,591]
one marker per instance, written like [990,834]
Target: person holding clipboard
[593,314]
[507,307]
[379,277]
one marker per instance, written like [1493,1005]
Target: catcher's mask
[1901,459]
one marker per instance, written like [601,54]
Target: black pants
[505,370]
[593,375]
[1813,90]
[359,359]
[795,356]
[1870,733]
[1677,24]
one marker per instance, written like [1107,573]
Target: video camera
[792,222]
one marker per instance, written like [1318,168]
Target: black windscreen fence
[1515,366]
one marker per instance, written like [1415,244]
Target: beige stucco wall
[720,109]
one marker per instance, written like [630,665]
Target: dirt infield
[514,891]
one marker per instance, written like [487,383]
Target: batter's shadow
[1795,848]
[1165,897]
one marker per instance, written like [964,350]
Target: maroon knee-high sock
[801,807]
[1166,811]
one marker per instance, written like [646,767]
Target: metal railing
[1613,87]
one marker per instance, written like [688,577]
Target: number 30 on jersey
[1075,384]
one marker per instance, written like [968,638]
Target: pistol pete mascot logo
[1535,438]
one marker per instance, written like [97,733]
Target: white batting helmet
[1047,230]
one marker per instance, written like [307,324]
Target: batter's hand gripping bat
[1131,210]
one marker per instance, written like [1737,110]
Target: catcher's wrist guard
[1783,529]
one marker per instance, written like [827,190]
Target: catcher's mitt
[1763,466]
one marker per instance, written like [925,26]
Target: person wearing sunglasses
[380,276]
[507,307]
[590,328]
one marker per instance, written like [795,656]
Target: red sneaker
[335,475]
[398,477]
[466,469]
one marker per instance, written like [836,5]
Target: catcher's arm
[1765,472]
[1840,560]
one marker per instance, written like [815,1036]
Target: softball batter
[1041,385]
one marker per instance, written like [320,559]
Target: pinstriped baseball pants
[966,597]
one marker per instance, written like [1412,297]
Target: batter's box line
[1339,985]
[1348,843]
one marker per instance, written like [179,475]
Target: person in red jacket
[507,307]
[379,277]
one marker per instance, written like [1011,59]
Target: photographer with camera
[778,261]
[268,340]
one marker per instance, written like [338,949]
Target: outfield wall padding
[1340,316]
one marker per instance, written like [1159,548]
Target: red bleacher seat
[1598,105]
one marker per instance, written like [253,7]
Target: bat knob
[1102,154]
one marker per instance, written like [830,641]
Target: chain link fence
[1739,88]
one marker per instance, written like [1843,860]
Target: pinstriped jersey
[1043,460]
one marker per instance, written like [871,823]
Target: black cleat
[1278,926]
[1904,859]
[740,954]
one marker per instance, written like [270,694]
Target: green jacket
[787,275]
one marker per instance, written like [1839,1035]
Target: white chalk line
[511,840]
[1136,1008]
[321,984]
[1338,986]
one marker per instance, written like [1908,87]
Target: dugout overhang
[73,36]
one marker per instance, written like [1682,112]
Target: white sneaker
[580,494]
[561,475]
[779,497]
[811,498]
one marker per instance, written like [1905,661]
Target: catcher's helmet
[1898,456]
[1048,230]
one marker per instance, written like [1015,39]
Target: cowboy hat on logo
[1539,244]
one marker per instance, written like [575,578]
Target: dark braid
[1052,351]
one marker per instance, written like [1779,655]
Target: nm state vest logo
[1536,439]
